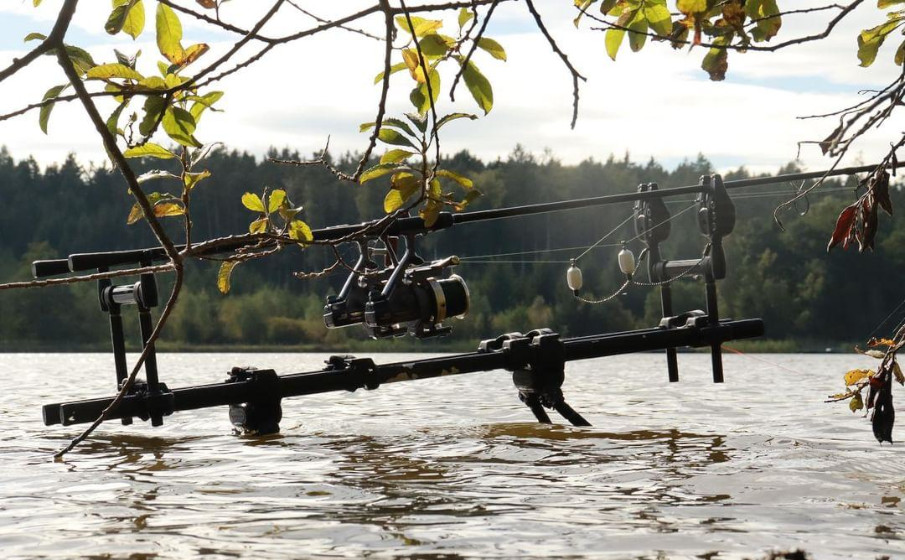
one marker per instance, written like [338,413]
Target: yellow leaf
[857,403]
[252,202]
[857,375]
[275,200]
[169,34]
[149,150]
[192,53]
[113,70]
[897,372]
[164,209]
[410,56]
[395,156]
[192,179]
[258,226]
[464,181]
[135,214]
[223,276]
[300,231]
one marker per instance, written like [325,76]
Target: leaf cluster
[857,223]
[878,384]
[726,24]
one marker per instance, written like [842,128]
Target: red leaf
[880,187]
[843,226]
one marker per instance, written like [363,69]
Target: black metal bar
[322,381]
[716,351]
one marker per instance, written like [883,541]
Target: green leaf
[393,69]
[393,201]
[465,15]
[223,276]
[396,156]
[80,58]
[378,170]
[179,125]
[394,137]
[454,116]
[275,200]
[169,34]
[253,202]
[113,119]
[149,150]
[154,107]
[613,40]
[870,40]
[900,54]
[464,181]
[203,102]
[658,17]
[300,231]
[492,47]
[418,98]
[716,61]
[404,186]
[128,16]
[766,14]
[113,70]
[420,121]
[637,32]
[433,46]
[44,113]
[479,87]
[401,125]
[153,82]
[135,21]
[34,36]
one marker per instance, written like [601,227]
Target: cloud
[656,103]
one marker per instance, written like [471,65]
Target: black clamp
[151,404]
[262,412]
[362,371]
[537,362]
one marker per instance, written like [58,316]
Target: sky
[657,103]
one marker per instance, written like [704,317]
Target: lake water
[455,467]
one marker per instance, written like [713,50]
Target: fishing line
[758,359]
[888,317]
[602,239]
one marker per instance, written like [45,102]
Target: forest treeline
[515,268]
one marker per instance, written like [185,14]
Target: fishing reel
[408,296]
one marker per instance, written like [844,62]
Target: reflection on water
[454,468]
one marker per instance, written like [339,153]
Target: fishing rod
[407,225]
[408,295]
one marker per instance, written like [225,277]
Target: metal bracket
[537,362]
[262,413]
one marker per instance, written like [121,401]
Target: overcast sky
[657,103]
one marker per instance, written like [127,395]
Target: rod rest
[262,412]
[537,361]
